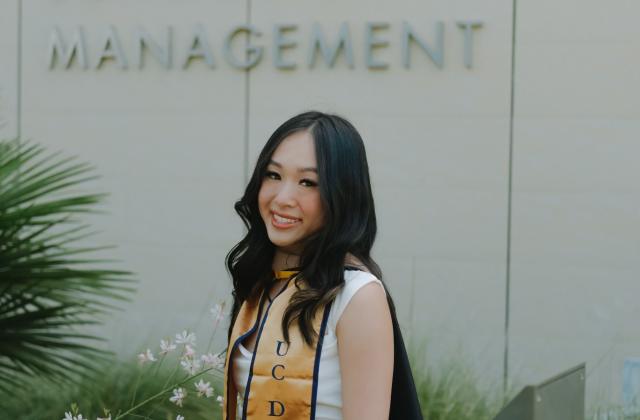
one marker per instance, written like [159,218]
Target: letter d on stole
[272,413]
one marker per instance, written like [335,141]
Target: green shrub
[451,391]
[112,386]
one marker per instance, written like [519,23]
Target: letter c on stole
[273,373]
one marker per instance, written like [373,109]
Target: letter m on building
[61,52]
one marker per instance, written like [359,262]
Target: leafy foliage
[451,391]
[46,290]
[112,385]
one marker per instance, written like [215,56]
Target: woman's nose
[285,195]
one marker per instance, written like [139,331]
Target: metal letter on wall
[279,43]
[330,54]
[371,42]
[253,53]
[111,48]
[199,48]
[58,48]
[467,27]
[143,40]
[436,55]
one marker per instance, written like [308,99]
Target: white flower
[212,360]
[204,388]
[178,395]
[145,357]
[179,417]
[186,338]
[68,415]
[166,346]
[191,366]
[189,351]
[219,399]
[218,312]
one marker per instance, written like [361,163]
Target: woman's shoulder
[356,275]
[354,280]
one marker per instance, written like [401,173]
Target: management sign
[65,47]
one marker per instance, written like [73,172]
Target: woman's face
[289,197]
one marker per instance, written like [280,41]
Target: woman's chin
[287,246]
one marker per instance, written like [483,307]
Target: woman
[313,331]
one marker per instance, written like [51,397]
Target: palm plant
[46,295]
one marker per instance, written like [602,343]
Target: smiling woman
[289,199]
[311,315]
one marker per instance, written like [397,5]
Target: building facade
[502,139]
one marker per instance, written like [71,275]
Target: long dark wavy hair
[349,216]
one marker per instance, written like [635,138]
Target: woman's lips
[282,225]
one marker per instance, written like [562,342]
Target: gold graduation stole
[283,382]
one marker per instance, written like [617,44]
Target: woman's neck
[284,260]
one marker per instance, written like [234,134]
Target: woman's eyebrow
[308,169]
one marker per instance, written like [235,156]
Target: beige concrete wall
[9,70]
[168,144]
[576,225]
[174,147]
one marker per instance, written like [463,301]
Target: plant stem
[215,328]
[143,417]
[164,391]
[135,389]
[172,375]
[155,373]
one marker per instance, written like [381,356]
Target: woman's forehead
[296,151]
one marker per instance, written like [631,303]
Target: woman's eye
[305,182]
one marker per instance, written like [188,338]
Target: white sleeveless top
[329,397]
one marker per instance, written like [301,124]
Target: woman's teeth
[284,219]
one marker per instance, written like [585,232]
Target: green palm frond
[47,293]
